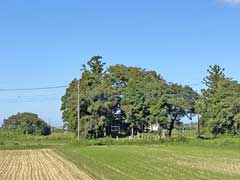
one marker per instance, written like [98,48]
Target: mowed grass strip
[37,165]
[173,162]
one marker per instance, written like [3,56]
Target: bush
[2,143]
[130,141]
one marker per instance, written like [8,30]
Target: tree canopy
[27,123]
[219,105]
[97,100]
[143,98]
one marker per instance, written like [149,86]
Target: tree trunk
[138,135]
[159,131]
[96,133]
[105,131]
[171,126]
[132,132]
[142,128]
[199,130]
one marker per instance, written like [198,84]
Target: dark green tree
[129,88]
[27,123]
[97,100]
[180,103]
[215,74]
[155,89]
[219,105]
[133,105]
[69,106]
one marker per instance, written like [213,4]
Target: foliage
[219,105]
[143,97]
[97,101]
[27,123]
[180,103]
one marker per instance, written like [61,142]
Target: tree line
[145,98]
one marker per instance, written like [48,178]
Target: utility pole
[199,130]
[49,124]
[78,108]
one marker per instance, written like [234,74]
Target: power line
[194,84]
[51,87]
[13,101]
[34,89]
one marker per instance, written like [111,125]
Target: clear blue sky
[44,43]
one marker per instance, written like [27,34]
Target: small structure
[118,126]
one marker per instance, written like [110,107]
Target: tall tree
[97,100]
[129,87]
[133,105]
[221,113]
[180,103]
[69,106]
[211,81]
[155,89]
[215,74]
[219,105]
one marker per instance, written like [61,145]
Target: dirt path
[37,165]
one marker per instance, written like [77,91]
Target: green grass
[189,133]
[147,158]
[155,162]
[12,140]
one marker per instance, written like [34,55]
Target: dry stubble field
[37,165]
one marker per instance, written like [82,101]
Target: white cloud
[232,2]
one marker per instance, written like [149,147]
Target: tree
[129,88]
[180,103]
[155,100]
[97,100]
[219,105]
[215,74]
[211,81]
[27,123]
[222,114]
[69,106]
[133,105]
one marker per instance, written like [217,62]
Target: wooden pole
[78,108]
[199,130]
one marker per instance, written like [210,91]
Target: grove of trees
[27,123]
[144,98]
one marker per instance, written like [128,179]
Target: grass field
[155,162]
[118,160]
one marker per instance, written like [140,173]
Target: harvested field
[37,165]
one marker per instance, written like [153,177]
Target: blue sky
[43,43]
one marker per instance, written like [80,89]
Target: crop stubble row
[37,165]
